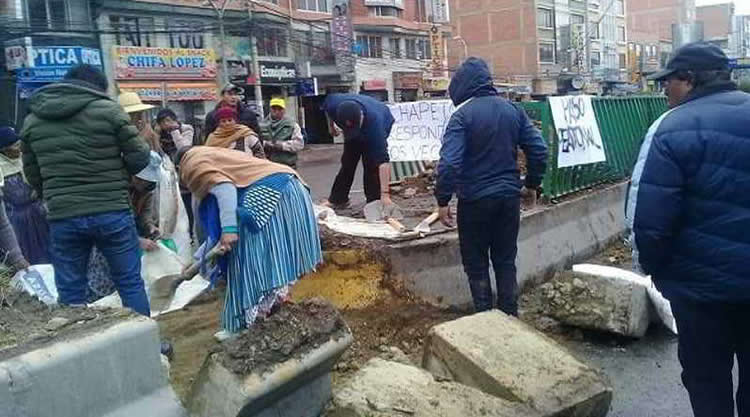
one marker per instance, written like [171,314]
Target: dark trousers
[488,229]
[710,335]
[114,234]
[353,152]
[187,201]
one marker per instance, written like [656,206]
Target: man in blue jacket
[478,163]
[366,124]
[689,212]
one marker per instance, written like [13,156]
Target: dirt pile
[295,329]
[27,324]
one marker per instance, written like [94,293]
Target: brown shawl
[202,167]
[225,137]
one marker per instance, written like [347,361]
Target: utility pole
[220,9]
[254,59]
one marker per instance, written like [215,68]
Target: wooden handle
[396,224]
[432,218]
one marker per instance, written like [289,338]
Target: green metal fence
[623,123]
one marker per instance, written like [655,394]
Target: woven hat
[132,103]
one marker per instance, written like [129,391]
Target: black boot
[481,293]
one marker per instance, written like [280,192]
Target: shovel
[424,226]
[162,291]
[374,212]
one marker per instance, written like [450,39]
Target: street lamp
[466,47]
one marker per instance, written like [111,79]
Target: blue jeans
[114,234]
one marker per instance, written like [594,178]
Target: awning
[176,91]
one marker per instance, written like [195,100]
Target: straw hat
[132,103]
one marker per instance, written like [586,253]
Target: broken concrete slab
[504,357]
[112,371]
[383,388]
[599,302]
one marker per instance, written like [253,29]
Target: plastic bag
[173,218]
[39,281]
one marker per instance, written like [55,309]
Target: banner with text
[578,136]
[138,63]
[417,133]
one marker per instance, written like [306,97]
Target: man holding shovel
[478,163]
[366,124]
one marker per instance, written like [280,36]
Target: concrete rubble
[383,388]
[598,302]
[504,357]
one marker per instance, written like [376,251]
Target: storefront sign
[17,54]
[578,136]
[277,72]
[237,70]
[51,63]
[436,84]
[376,84]
[417,133]
[407,80]
[307,87]
[138,63]
[436,44]
[739,63]
[175,91]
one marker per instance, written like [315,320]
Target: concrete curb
[550,239]
[114,372]
[295,388]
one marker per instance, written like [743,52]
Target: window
[313,5]
[370,46]
[576,4]
[133,31]
[596,59]
[594,28]
[385,11]
[547,52]
[623,61]
[576,19]
[423,47]
[620,7]
[411,48]
[276,2]
[621,33]
[395,48]
[544,18]
[185,34]
[313,46]
[50,13]
[594,6]
[271,41]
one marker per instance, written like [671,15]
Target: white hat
[151,172]
[132,103]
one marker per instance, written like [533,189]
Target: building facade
[543,44]
[741,36]
[718,21]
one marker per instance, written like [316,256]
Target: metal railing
[623,123]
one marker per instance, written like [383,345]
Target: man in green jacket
[79,152]
[282,136]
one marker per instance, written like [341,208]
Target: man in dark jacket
[366,124]
[231,96]
[689,212]
[478,163]
[79,151]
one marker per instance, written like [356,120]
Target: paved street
[319,164]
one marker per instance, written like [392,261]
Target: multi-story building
[41,40]
[537,43]
[717,20]
[741,36]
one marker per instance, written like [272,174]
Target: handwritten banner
[417,133]
[138,63]
[578,136]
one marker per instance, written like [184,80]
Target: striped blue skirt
[278,243]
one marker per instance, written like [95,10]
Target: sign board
[237,70]
[739,63]
[407,80]
[18,54]
[440,11]
[436,44]
[374,85]
[578,136]
[140,63]
[342,39]
[417,133]
[277,72]
[307,87]
[51,63]
[188,91]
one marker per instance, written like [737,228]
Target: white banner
[578,136]
[417,133]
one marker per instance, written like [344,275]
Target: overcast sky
[740,6]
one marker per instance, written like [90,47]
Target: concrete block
[299,387]
[382,388]
[113,371]
[504,357]
[549,239]
[598,302]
